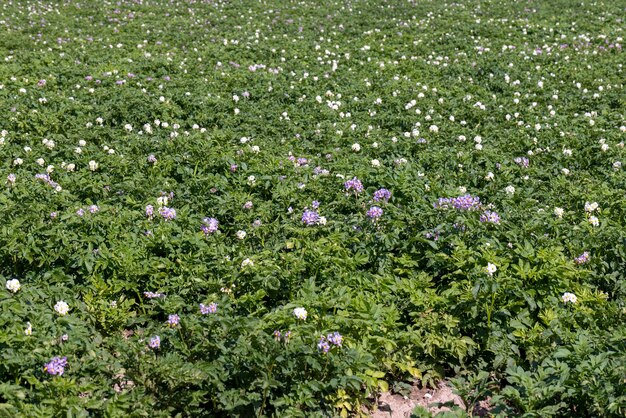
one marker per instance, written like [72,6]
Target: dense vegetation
[282,208]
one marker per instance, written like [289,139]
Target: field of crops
[286,208]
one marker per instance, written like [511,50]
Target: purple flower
[310,217]
[490,217]
[207,309]
[315,204]
[11,178]
[374,213]
[155,342]
[465,202]
[210,226]
[582,259]
[152,158]
[41,83]
[382,194]
[335,338]
[93,209]
[53,215]
[167,213]
[152,295]
[80,212]
[149,211]
[173,320]
[354,184]
[248,205]
[233,168]
[277,335]
[56,366]
[522,161]
[323,345]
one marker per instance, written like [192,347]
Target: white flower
[241,234]
[565,171]
[590,207]
[18,161]
[40,161]
[567,152]
[251,180]
[61,308]
[82,142]
[617,165]
[356,147]
[594,221]
[50,169]
[13,285]
[433,128]
[604,147]
[70,167]
[27,149]
[322,220]
[462,189]
[93,166]
[29,329]
[247,262]
[128,127]
[255,149]
[300,313]
[99,121]
[489,176]
[491,268]
[510,190]
[375,163]
[478,147]
[569,297]
[558,212]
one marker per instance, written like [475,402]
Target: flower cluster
[155,342]
[153,295]
[209,226]
[300,313]
[354,185]
[490,217]
[382,194]
[583,258]
[326,342]
[374,213]
[569,297]
[56,366]
[13,285]
[211,308]
[167,213]
[173,320]
[465,202]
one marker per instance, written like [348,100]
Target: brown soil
[398,406]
